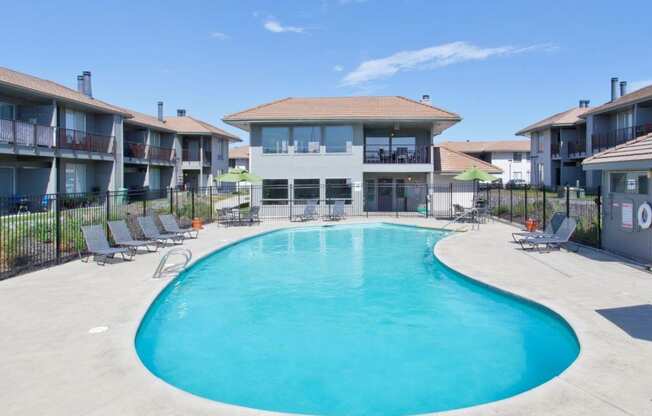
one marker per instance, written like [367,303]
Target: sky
[501,65]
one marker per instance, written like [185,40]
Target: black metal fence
[41,230]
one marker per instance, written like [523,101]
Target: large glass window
[376,149]
[6,111]
[338,139]
[75,177]
[404,149]
[338,189]
[628,182]
[306,139]
[275,139]
[275,191]
[305,190]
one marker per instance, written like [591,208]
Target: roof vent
[425,99]
[584,103]
[181,112]
[159,113]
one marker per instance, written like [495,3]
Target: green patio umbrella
[475,174]
[239,175]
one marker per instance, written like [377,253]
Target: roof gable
[190,125]
[447,160]
[478,146]
[635,150]
[565,118]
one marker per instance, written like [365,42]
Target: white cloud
[637,85]
[338,68]
[429,58]
[274,26]
[218,35]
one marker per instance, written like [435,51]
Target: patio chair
[122,237]
[98,246]
[151,232]
[338,211]
[561,236]
[252,217]
[551,228]
[170,225]
[226,217]
[309,211]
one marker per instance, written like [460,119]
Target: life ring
[644,215]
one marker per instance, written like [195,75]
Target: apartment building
[343,148]
[560,143]
[511,157]
[58,139]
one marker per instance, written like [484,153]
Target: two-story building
[625,117]
[204,149]
[58,139]
[558,147]
[512,157]
[343,148]
[239,157]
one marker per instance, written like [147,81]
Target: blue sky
[500,64]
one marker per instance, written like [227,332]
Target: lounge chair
[151,232]
[226,217]
[338,211]
[309,211]
[251,217]
[98,245]
[122,237]
[170,225]
[561,236]
[551,228]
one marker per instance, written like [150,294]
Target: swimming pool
[347,320]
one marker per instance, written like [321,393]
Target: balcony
[190,155]
[21,133]
[135,150]
[382,154]
[602,141]
[161,154]
[577,147]
[555,148]
[81,140]
[208,157]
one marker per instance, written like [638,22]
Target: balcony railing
[161,154]
[135,150]
[25,134]
[577,146]
[613,138]
[396,155]
[207,157]
[188,155]
[81,140]
[555,148]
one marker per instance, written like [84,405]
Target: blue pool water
[347,320]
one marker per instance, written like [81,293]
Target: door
[75,176]
[370,195]
[7,181]
[385,194]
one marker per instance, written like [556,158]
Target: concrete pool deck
[51,364]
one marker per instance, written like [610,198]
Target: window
[338,139]
[275,191]
[540,142]
[338,189]
[154,178]
[306,189]
[628,182]
[6,111]
[540,172]
[516,175]
[75,177]
[306,139]
[275,139]
[376,149]
[518,156]
[222,149]
[75,120]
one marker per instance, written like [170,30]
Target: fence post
[290,201]
[192,202]
[57,226]
[171,200]
[567,201]
[210,202]
[598,202]
[525,205]
[543,189]
[144,203]
[450,208]
[511,204]
[426,197]
[500,201]
[108,209]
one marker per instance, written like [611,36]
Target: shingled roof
[641,94]
[190,125]
[637,150]
[387,108]
[51,89]
[566,118]
[486,146]
[449,161]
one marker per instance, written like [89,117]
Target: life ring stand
[644,215]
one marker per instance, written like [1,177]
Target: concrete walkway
[52,362]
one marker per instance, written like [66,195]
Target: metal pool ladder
[179,251]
